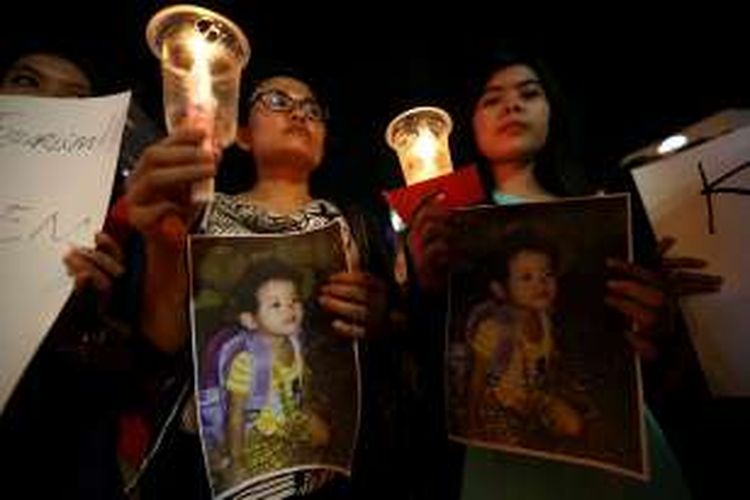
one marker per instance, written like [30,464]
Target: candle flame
[425,145]
[425,148]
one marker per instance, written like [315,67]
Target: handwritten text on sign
[701,196]
[57,164]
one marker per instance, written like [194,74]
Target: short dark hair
[245,296]
[524,239]
[268,71]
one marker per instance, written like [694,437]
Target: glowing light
[420,138]
[200,71]
[671,144]
[396,222]
[425,148]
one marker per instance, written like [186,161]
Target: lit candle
[198,48]
[201,112]
[422,163]
[420,138]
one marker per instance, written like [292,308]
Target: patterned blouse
[235,215]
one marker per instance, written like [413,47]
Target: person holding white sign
[45,75]
[49,75]
[63,383]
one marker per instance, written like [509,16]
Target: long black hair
[557,168]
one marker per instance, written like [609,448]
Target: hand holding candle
[420,138]
[202,55]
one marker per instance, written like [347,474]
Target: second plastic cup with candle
[420,138]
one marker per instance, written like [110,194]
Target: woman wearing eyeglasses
[284,135]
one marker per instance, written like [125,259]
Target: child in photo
[511,339]
[260,419]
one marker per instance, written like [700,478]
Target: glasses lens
[277,100]
[313,110]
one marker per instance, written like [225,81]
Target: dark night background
[632,74]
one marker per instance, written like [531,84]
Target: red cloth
[461,188]
[133,438]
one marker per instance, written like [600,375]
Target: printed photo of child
[258,365]
[536,363]
[278,391]
[512,342]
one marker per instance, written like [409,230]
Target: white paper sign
[57,165]
[702,198]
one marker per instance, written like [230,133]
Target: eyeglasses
[279,101]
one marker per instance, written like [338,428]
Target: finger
[684,289]
[433,268]
[165,156]
[435,231]
[370,282]
[348,310]
[146,218]
[632,310]
[184,146]
[107,244]
[349,277]
[79,262]
[76,261]
[69,259]
[664,245]
[684,283]
[99,280]
[184,134]
[348,329]
[351,293]
[87,276]
[634,271]
[432,230]
[683,263]
[429,202]
[162,181]
[430,213]
[81,280]
[421,244]
[695,278]
[644,294]
[103,262]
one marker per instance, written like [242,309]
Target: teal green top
[496,475]
[506,199]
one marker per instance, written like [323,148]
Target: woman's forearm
[163,312]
